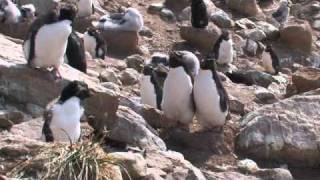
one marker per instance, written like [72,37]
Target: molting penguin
[85,7]
[94,43]
[151,89]
[223,49]
[282,13]
[270,61]
[210,97]
[75,53]
[62,121]
[177,103]
[131,20]
[28,12]
[199,14]
[46,43]
[10,14]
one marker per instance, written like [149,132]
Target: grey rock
[131,128]
[246,7]
[285,131]
[251,77]
[155,7]
[167,15]
[145,31]
[251,47]
[136,62]
[228,176]
[109,75]
[9,118]
[270,31]
[316,24]
[111,85]
[274,174]
[253,34]
[264,96]
[222,19]
[129,77]
[248,166]
[245,23]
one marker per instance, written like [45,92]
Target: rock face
[297,36]
[287,131]
[18,31]
[203,39]
[116,39]
[222,19]
[32,87]
[131,128]
[306,79]
[246,7]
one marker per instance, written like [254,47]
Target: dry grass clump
[82,161]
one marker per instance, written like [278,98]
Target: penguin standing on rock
[270,61]
[62,121]
[177,103]
[199,14]
[210,97]
[223,49]
[94,43]
[10,14]
[282,13]
[75,53]
[46,43]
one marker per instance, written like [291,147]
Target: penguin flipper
[93,10]
[46,131]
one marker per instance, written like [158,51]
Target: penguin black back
[275,59]
[225,36]
[101,47]
[75,53]
[199,14]
[210,64]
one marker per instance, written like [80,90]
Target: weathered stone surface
[9,118]
[136,62]
[129,77]
[253,34]
[203,39]
[306,79]
[287,131]
[116,39]
[167,15]
[246,7]
[131,128]
[297,36]
[134,163]
[109,75]
[228,176]
[18,30]
[222,19]
[172,165]
[270,31]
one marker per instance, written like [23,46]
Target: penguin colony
[180,84]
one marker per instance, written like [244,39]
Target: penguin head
[225,35]
[75,89]
[268,48]
[208,64]
[68,12]
[175,59]
[159,58]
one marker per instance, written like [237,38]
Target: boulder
[9,118]
[251,47]
[246,7]
[286,132]
[221,19]
[297,36]
[129,77]
[109,75]
[131,128]
[116,39]
[172,165]
[251,77]
[306,79]
[24,85]
[253,34]
[155,8]
[167,15]
[136,62]
[134,164]
[203,39]
[270,31]
[19,30]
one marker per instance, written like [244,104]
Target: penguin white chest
[225,52]
[177,96]
[207,101]
[90,44]
[65,121]
[267,62]
[51,43]
[85,8]
[148,93]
